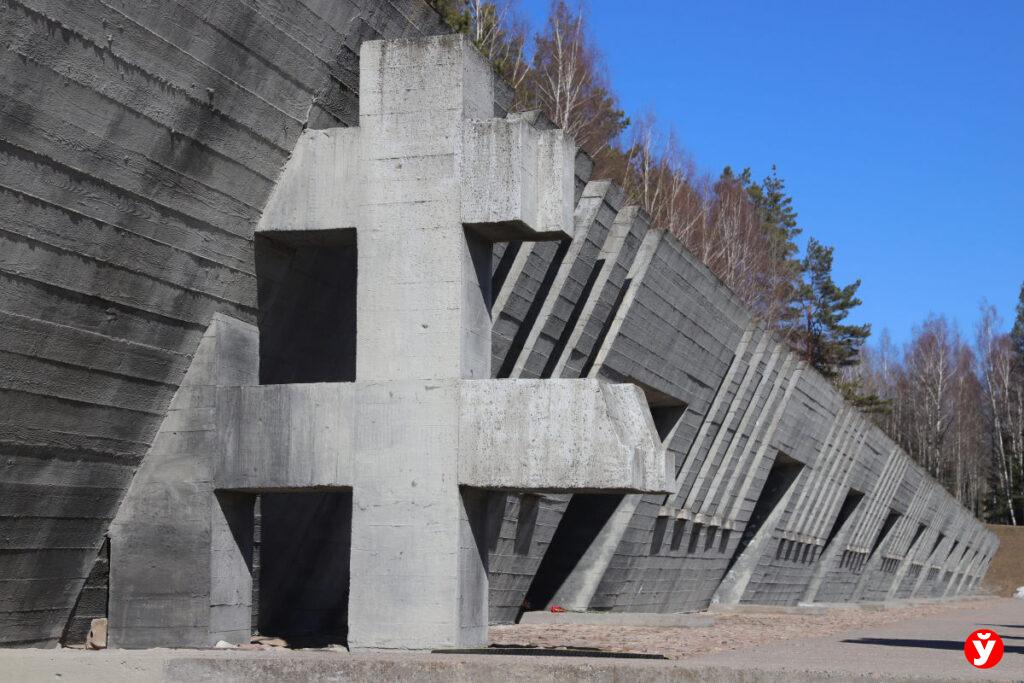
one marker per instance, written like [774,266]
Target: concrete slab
[200,666]
[918,649]
[677,620]
[745,608]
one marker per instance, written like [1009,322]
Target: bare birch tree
[569,81]
[1003,391]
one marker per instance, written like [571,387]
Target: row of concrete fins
[555,310]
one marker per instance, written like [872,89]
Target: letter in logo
[983,649]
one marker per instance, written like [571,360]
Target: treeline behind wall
[955,404]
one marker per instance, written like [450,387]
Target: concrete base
[825,607]
[676,620]
[746,608]
[200,666]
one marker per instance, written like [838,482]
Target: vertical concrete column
[420,309]
[419,578]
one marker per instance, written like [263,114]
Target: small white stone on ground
[97,638]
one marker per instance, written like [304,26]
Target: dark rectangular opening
[887,526]
[301,589]
[850,503]
[678,530]
[658,536]
[917,535]
[306,295]
[691,547]
[584,517]
[780,478]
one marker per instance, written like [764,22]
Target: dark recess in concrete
[304,566]
[584,517]
[781,476]
[307,303]
[850,503]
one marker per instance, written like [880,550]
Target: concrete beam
[559,435]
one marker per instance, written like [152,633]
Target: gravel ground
[730,632]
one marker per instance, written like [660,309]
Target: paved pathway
[916,649]
[931,647]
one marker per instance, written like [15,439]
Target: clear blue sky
[896,125]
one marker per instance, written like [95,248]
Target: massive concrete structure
[411,444]
[291,316]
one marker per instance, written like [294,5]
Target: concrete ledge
[676,620]
[559,435]
[746,608]
[199,666]
[824,607]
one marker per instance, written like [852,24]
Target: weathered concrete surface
[861,522]
[558,435]
[421,432]
[140,144]
[164,582]
[177,666]
[133,173]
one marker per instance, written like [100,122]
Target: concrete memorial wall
[332,346]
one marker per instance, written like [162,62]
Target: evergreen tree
[820,334]
[455,13]
[495,28]
[779,228]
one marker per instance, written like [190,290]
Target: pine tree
[497,30]
[779,228]
[820,334]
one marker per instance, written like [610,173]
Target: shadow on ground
[927,644]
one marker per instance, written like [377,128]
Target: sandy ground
[1006,572]
[730,632]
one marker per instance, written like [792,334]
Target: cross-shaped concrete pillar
[423,186]
[429,179]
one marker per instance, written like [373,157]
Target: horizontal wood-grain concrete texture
[139,142]
[628,304]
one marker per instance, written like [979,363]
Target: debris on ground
[97,638]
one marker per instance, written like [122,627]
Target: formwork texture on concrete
[133,174]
